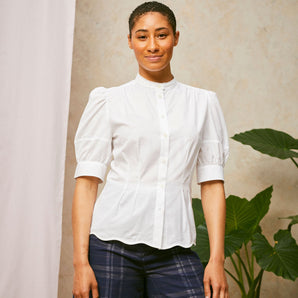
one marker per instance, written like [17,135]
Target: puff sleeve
[214,145]
[93,139]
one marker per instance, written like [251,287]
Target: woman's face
[152,40]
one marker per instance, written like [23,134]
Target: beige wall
[245,51]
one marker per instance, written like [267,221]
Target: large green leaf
[282,259]
[242,220]
[246,215]
[198,211]
[202,247]
[269,141]
[260,205]
[239,215]
[202,241]
[234,241]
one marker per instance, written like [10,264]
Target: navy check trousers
[133,271]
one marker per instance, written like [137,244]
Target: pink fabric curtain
[35,69]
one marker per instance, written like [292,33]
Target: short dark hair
[152,6]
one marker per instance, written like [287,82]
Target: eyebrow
[158,29]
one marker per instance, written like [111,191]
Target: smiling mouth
[154,58]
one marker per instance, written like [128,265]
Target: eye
[162,35]
[141,37]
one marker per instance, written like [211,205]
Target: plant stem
[252,293]
[252,265]
[293,160]
[238,283]
[259,284]
[235,266]
[249,263]
[247,256]
[249,279]
[239,266]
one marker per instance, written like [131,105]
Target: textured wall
[246,51]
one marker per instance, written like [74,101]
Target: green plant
[243,231]
[271,142]
[245,244]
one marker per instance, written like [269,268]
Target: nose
[153,45]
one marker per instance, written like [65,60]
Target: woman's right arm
[82,208]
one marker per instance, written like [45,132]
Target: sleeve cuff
[91,168]
[210,172]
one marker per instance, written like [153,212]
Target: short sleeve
[214,144]
[93,139]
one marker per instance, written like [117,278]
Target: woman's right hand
[84,282]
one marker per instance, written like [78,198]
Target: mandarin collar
[141,80]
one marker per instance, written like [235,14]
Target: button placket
[162,169]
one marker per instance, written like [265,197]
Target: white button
[159,95]
[163,160]
[163,116]
[165,135]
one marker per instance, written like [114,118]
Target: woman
[135,239]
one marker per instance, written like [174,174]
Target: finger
[86,295]
[222,293]
[207,289]
[95,293]
[215,292]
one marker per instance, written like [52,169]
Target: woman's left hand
[215,277]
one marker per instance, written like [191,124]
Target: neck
[162,76]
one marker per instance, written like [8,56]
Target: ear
[176,38]
[129,41]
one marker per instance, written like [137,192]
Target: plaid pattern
[139,270]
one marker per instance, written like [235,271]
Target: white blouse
[157,134]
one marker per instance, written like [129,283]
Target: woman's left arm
[214,206]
